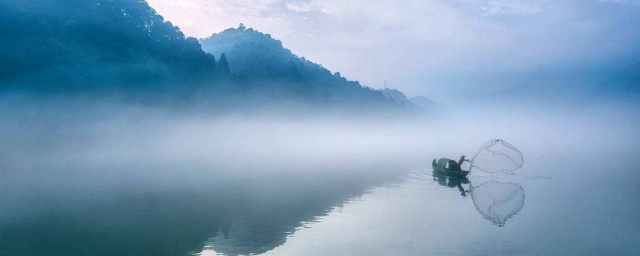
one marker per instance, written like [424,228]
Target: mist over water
[102,177]
[121,135]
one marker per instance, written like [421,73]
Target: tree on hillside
[223,66]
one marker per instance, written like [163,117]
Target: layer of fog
[90,133]
[118,163]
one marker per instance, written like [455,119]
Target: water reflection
[169,212]
[453,182]
[496,201]
[265,215]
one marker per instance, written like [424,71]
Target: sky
[438,47]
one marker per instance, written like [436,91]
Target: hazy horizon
[440,48]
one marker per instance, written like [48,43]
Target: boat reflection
[453,182]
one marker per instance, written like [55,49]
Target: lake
[130,184]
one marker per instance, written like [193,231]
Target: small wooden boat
[448,167]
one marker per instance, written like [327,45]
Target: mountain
[263,62]
[424,103]
[418,102]
[124,46]
[395,95]
[95,44]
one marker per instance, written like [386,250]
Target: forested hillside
[263,62]
[86,44]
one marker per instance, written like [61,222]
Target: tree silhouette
[223,67]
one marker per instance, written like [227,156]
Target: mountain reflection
[169,212]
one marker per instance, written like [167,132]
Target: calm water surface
[578,198]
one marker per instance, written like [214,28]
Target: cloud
[636,2]
[511,7]
[298,7]
[200,18]
[436,46]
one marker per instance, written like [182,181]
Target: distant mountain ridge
[124,46]
[260,59]
[413,102]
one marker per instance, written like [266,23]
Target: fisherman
[461,160]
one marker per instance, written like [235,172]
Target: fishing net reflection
[498,201]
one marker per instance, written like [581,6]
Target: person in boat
[461,160]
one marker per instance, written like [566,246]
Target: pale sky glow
[436,47]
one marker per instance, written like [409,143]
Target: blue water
[70,193]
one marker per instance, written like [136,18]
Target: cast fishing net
[497,155]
